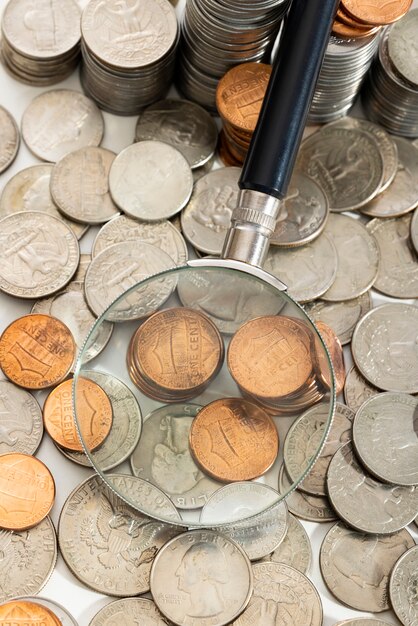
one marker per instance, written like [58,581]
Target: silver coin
[364,503]
[201,576]
[358,258]
[295,549]
[27,559]
[363,621]
[162,456]
[126,424]
[342,317]
[403,587]
[207,217]
[385,349]
[402,48]
[233,501]
[282,595]
[162,235]
[304,438]
[308,271]
[347,164]
[21,425]
[39,254]
[28,190]
[388,417]
[398,265]
[119,268]
[9,139]
[129,611]
[107,544]
[414,230]
[85,260]
[303,505]
[356,566]
[182,124]
[150,181]
[66,619]
[60,121]
[80,187]
[357,390]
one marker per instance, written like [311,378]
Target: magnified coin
[9,139]
[357,390]
[295,549]
[64,617]
[402,587]
[336,355]
[30,611]
[21,420]
[139,610]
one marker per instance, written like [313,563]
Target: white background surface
[63,587]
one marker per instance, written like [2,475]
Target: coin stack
[40,42]
[218,34]
[128,53]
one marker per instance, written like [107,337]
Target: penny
[80,187]
[127,611]
[414,230]
[388,417]
[93,418]
[295,549]
[336,355]
[402,587]
[207,575]
[39,254]
[233,439]
[9,138]
[36,351]
[341,29]
[64,617]
[376,12]
[356,566]
[59,121]
[27,612]
[284,594]
[357,390]
[27,491]
[21,427]
[150,180]
[28,559]
[364,503]
[303,505]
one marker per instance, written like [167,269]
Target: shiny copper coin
[352,32]
[225,155]
[36,351]
[25,613]
[345,18]
[376,12]
[270,356]
[27,491]
[233,439]
[94,414]
[336,353]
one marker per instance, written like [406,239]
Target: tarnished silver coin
[365,503]
[295,549]
[342,317]
[402,47]
[398,264]
[9,138]
[28,190]
[66,619]
[308,271]
[150,181]
[163,457]
[129,611]
[85,260]
[21,424]
[358,258]
[27,559]
[303,505]
[356,566]
[120,267]
[414,230]
[207,217]
[80,185]
[346,163]
[162,235]
[385,348]
[107,544]
[282,595]
[59,121]
[403,587]
[363,621]
[304,439]
[126,424]
[357,390]
[201,577]
[182,124]
[39,254]
[389,418]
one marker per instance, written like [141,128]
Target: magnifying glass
[215,362]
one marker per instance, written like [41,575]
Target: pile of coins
[128,53]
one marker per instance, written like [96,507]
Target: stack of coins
[40,42]
[239,96]
[216,35]
[175,354]
[128,53]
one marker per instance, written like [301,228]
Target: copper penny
[233,439]
[344,30]
[36,351]
[336,353]
[25,613]
[376,12]
[94,413]
[345,18]
[270,356]
[27,491]
[225,154]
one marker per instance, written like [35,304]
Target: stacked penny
[175,354]
[360,19]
